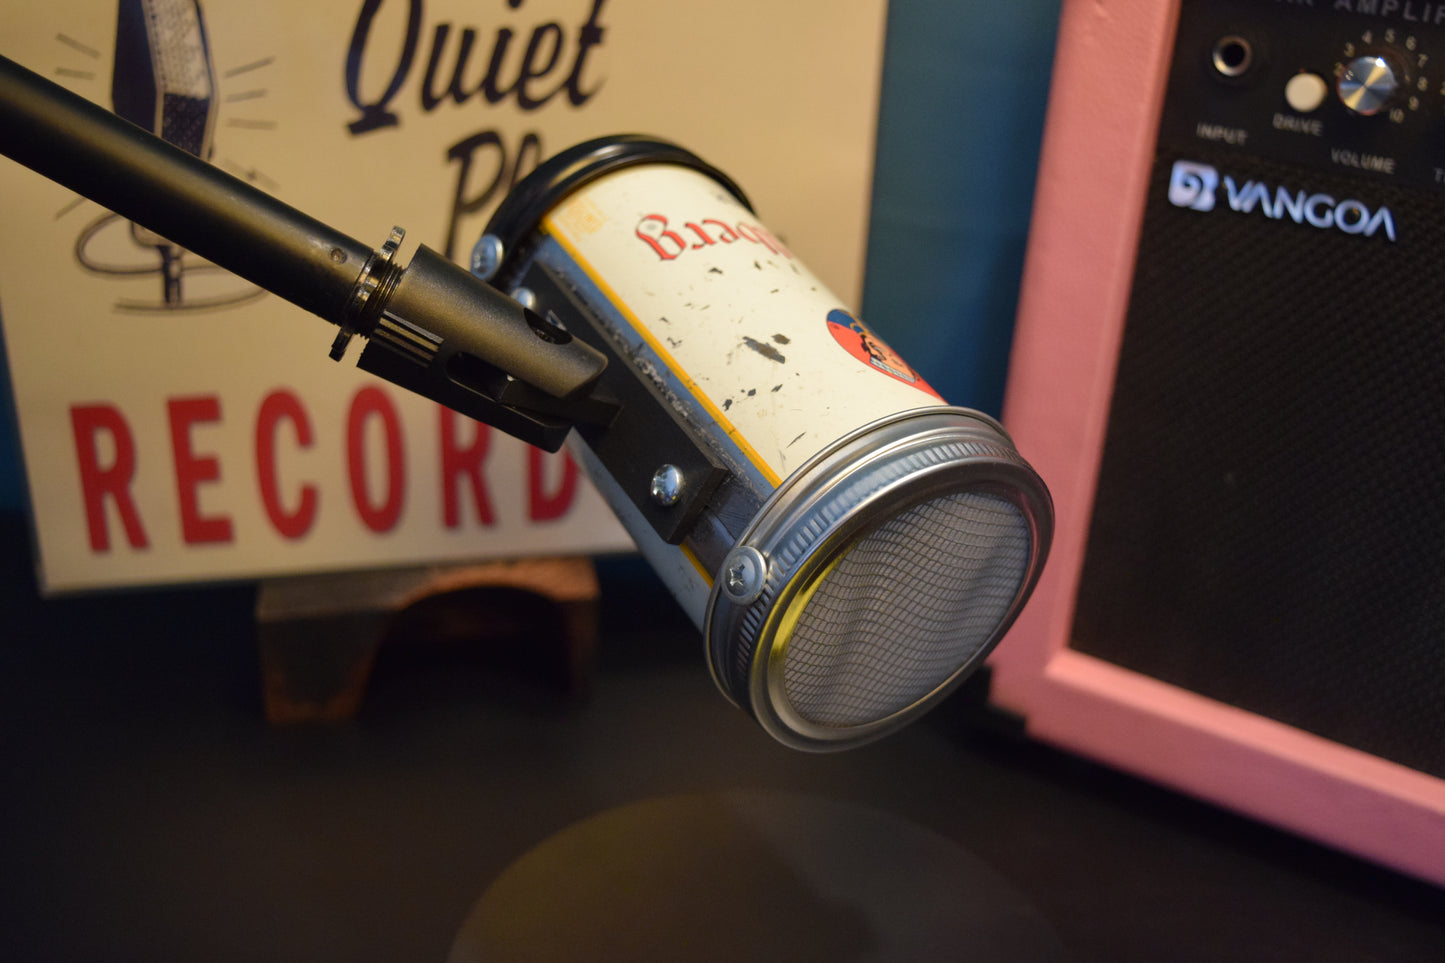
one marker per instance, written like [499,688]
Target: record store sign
[179,424]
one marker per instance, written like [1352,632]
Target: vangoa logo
[1195,186]
[1192,185]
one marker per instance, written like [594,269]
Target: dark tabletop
[149,813]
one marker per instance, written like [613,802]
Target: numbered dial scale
[1352,92]
[1385,72]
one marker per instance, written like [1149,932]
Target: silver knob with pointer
[1368,84]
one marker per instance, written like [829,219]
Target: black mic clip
[511,362]
[442,333]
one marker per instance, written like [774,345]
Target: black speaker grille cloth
[1269,529]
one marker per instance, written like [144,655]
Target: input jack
[1232,55]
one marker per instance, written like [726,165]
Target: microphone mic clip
[439,332]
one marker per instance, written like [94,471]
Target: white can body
[775,359]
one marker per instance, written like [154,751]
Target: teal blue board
[961,119]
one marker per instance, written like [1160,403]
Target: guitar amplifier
[1229,367]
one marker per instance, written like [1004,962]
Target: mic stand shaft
[434,328]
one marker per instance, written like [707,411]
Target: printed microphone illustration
[164,82]
[850,546]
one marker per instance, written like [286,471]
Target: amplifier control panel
[1353,86]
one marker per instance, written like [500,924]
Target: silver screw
[744,572]
[667,485]
[525,297]
[487,256]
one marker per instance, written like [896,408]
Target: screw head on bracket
[487,256]
[666,488]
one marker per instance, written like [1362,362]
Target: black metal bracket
[434,329]
[645,435]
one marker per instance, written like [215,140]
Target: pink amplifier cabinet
[1229,367]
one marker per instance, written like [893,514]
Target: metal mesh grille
[905,608]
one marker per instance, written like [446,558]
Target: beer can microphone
[851,546]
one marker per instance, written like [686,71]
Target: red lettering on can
[668,244]
[675,244]
[703,239]
[728,235]
[761,235]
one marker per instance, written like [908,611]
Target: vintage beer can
[851,546]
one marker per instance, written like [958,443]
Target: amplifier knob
[1367,83]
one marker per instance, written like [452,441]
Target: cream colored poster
[178,424]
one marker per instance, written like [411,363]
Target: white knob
[1305,92]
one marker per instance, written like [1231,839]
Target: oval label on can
[859,340]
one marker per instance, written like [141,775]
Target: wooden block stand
[319,634]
